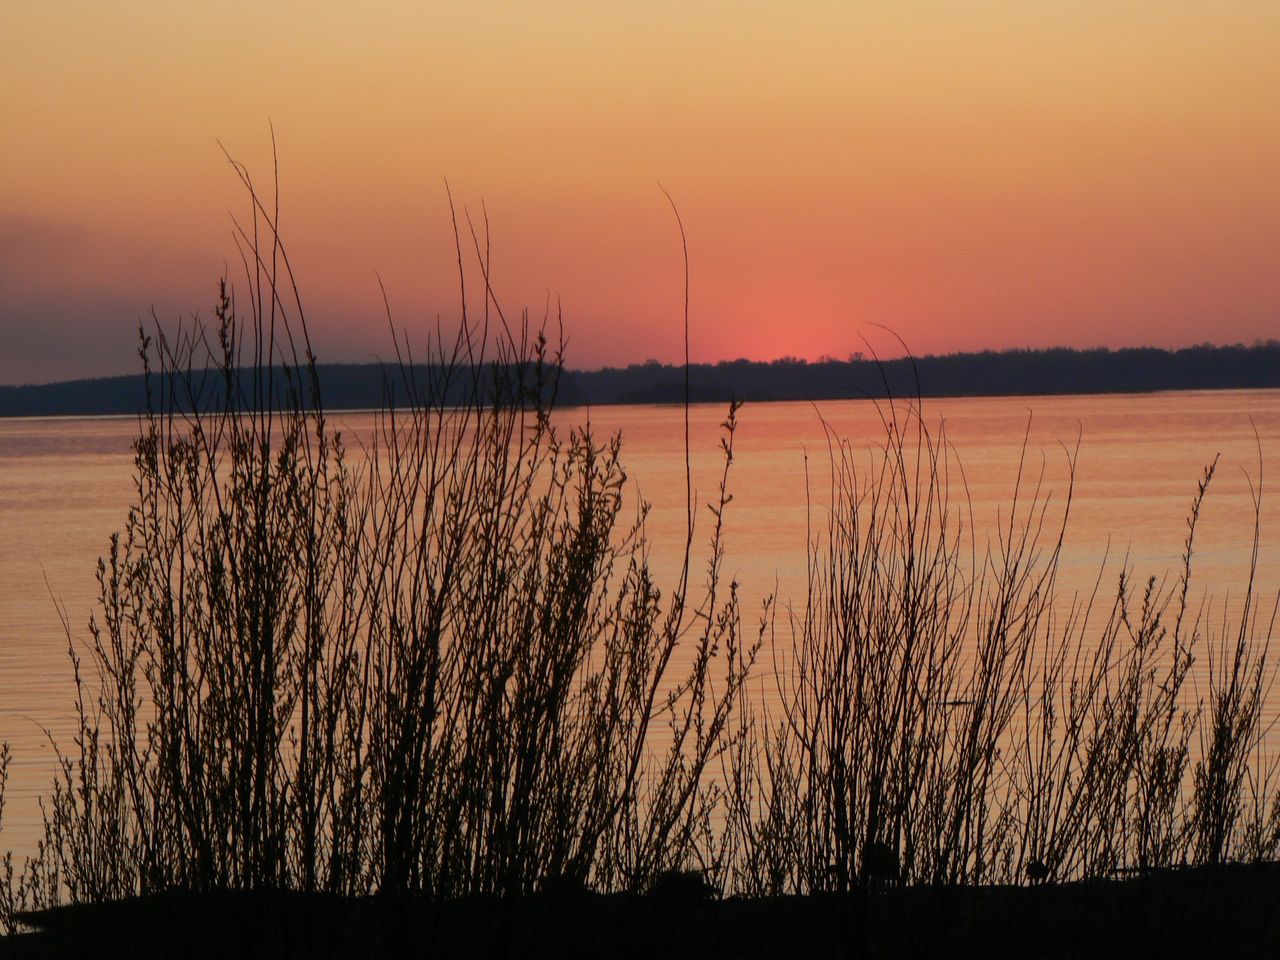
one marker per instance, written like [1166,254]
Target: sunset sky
[972,174]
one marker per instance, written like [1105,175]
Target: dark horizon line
[856,355]
[1011,372]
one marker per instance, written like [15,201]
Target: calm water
[65,485]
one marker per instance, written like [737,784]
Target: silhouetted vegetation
[943,716]
[436,665]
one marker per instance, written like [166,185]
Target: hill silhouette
[1057,370]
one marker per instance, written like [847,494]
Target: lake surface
[66,484]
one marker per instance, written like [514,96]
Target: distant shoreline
[1050,372]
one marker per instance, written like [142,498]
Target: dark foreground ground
[1222,912]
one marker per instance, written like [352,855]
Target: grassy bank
[1223,911]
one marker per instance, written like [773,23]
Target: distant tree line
[1058,370]
[990,373]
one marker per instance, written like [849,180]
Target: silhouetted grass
[439,665]
[944,716]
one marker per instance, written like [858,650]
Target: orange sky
[972,174]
